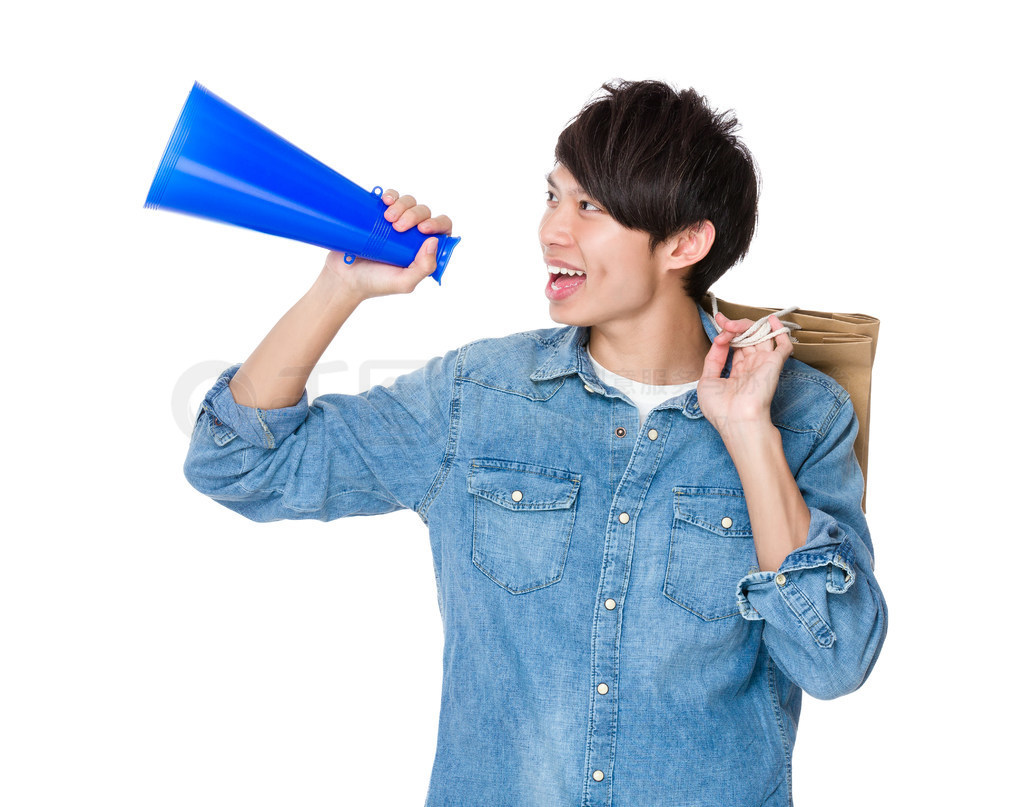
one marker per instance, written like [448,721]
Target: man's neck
[667,346]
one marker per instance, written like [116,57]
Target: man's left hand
[743,400]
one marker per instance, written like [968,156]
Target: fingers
[737,327]
[404,213]
[397,205]
[783,344]
[734,326]
[438,224]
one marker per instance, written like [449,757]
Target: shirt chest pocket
[712,548]
[523,517]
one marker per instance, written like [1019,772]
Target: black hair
[660,161]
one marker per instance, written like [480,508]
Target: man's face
[621,277]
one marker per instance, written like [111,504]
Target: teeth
[560,271]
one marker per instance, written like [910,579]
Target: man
[637,574]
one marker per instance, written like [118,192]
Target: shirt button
[780,579]
[588,388]
[598,776]
[624,518]
[609,604]
[620,432]
[726,522]
[602,689]
[517,495]
[653,434]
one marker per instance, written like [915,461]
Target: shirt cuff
[797,585]
[264,428]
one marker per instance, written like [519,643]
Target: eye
[551,197]
[584,205]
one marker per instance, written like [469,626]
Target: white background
[157,649]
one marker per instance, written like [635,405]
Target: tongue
[567,281]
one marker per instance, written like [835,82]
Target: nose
[555,227]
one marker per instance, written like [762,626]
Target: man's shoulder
[537,341]
[806,399]
[507,362]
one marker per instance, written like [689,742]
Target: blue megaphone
[220,164]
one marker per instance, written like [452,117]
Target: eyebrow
[571,191]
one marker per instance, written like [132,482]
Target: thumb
[426,259]
[407,279]
[714,362]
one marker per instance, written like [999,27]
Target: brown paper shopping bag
[839,345]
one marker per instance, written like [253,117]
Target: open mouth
[562,281]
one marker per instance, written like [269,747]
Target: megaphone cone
[220,164]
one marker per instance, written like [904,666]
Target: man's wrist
[744,433]
[333,292]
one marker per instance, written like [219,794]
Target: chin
[563,318]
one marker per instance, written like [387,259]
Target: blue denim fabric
[609,639]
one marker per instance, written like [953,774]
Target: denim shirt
[609,638]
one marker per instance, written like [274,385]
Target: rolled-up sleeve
[342,455]
[824,613]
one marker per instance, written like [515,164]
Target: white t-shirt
[645,396]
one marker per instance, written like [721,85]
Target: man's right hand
[365,279]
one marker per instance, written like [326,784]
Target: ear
[690,246]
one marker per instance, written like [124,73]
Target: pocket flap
[723,511]
[522,485]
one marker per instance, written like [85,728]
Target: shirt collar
[569,357]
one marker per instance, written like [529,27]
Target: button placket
[639,471]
